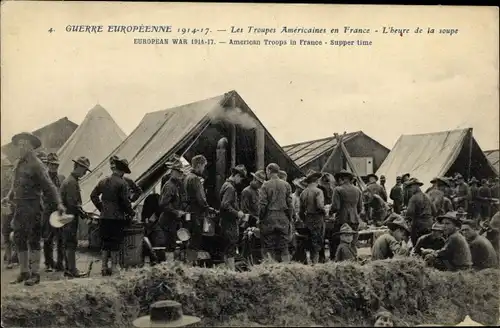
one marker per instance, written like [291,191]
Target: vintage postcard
[210,164]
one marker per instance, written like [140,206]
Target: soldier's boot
[169,256]
[48,254]
[72,271]
[230,263]
[35,257]
[24,268]
[105,271]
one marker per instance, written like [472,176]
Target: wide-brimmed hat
[312,176]
[343,173]
[299,182]
[174,164]
[239,169]
[260,176]
[452,216]
[52,158]
[413,181]
[437,227]
[346,229]
[58,221]
[372,175]
[443,181]
[458,176]
[122,165]
[33,139]
[42,156]
[398,222]
[83,161]
[406,175]
[165,314]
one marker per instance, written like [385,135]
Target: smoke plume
[234,116]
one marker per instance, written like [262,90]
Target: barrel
[131,249]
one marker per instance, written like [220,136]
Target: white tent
[96,137]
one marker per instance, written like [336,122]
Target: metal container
[131,249]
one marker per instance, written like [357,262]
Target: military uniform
[483,254]
[347,204]
[455,254]
[377,189]
[428,241]
[386,247]
[30,180]
[378,209]
[474,203]
[438,200]
[229,222]
[463,195]
[420,212]
[397,198]
[312,212]
[484,194]
[196,202]
[134,190]
[172,206]
[275,206]
[51,234]
[250,202]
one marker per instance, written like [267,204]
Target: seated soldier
[433,240]
[481,249]
[346,251]
[390,244]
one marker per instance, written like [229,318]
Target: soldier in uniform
[312,213]
[230,214]
[382,183]
[133,189]
[30,180]
[347,206]
[72,200]
[474,205]
[437,196]
[375,188]
[420,211]
[51,234]
[196,201]
[484,196]
[250,197]
[275,206]
[111,198]
[397,196]
[406,196]
[462,193]
[172,206]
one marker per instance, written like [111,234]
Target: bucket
[131,249]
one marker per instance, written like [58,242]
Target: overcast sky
[399,85]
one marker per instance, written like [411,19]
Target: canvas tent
[188,130]
[95,138]
[425,156]
[494,157]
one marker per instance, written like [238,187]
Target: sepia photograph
[171,164]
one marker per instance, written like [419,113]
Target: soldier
[397,196]
[420,211]
[375,208]
[455,254]
[462,193]
[250,197]
[7,214]
[30,180]
[484,196]
[375,188]
[438,198]
[133,189]
[51,234]
[406,196]
[111,198]
[196,201]
[382,183]
[474,204]
[230,214]
[275,206]
[483,254]
[72,200]
[346,251]
[390,244]
[347,205]
[300,254]
[312,212]
[433,240]
[172,206]
[325,185]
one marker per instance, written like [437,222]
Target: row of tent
[194,128]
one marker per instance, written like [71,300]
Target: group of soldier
[38,192]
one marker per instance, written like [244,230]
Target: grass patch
[269,295]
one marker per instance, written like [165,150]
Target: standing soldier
[484,196]
[462,193]
[437,195]
[51,234]
[406,195]
[250,197]
[325,185]
[196,201]
[474,204]
[397,196]
[347,205]
[312,212]
[72,200]
[134,190]
[275,199]
[230,214]
[382,183]
[375,188]
[111,198]
[420,211]
[172,207]
[30,180]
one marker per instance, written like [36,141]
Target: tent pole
[470,155]
[330,158]
[233,135]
